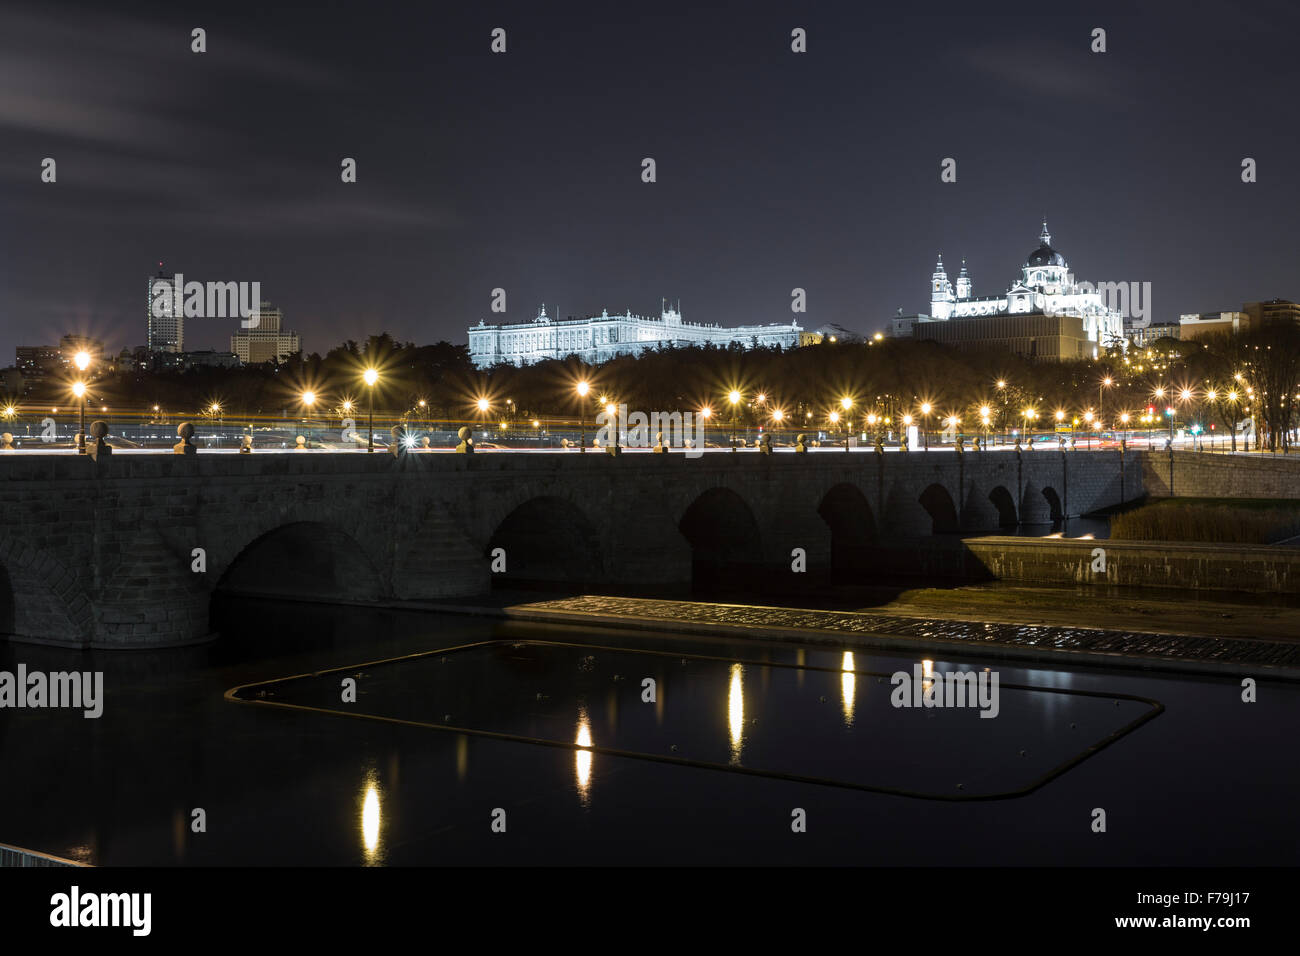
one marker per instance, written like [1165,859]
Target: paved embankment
[1061,645]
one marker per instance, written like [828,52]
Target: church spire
[1046,237]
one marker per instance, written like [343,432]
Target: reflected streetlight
[848,687]
[736,712]
[582,757]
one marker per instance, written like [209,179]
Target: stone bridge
[106,553]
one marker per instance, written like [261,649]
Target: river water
[489,722]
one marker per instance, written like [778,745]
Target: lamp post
[308,400]
[79,390]
[611,410]
[582,388]
[370,378]
[705,414]
[847,404]
[734,398]
[925,424]
[82,361]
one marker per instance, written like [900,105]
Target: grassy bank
[1211,521]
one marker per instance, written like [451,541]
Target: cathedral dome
[1045,255]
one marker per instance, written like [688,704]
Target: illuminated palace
[1045,314]
[604,336]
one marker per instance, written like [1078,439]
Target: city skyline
[528,176]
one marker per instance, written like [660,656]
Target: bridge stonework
[101,553]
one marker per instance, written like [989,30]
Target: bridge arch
[938,503]
[726,546]
[1054,510]
[852,524]
[304,559]
[1005,504]
[546,538]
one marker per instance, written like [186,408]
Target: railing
[14,856]
[48,430]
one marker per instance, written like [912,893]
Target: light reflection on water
[582,758]
[370,821]
[848,684]
[736,712]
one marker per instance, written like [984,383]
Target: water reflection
[927,675]
[582,758]
[848,686]
[370,820]
[736,712]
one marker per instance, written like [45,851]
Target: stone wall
[101,553]
[1058,561]
[1190,474]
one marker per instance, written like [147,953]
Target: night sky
[523,170]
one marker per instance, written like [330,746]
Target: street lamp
[82,361]
[79,390]
[925,427]
[611,410]
[734,398]
[705,414]
[308,400]
[582,388]
[370,378]
[847,403]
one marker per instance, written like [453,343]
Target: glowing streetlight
[370,377]
[308,399]
[611,409]
[582,388]
[82,360]
[734,398]
[79,390]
